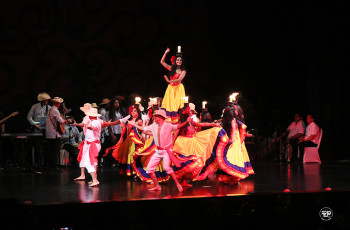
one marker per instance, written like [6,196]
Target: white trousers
[155,160]
[85,160]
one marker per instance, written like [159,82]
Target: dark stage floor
[270,177]
[48,189]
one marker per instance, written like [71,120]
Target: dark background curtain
[283,56]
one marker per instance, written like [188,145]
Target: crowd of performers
[170,141]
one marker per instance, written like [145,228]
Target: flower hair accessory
[172,59]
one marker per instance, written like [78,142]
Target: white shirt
[116,129]
[37,113]
[53,116]
[295,128]
[71,135]
[312,129]
[94,133]
[166,136]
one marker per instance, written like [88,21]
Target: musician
[38,112]
[71,139]
[54,129]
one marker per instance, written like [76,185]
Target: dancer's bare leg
[155,182]
[95,182]
[82,174]
[179,187]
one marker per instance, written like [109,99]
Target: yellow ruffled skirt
[141,158]
[172,101]
[234,160]
[197,150]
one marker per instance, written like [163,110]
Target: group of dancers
[173,143]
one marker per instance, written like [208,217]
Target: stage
[52,200]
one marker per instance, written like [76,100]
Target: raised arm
[162,61]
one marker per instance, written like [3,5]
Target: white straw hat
[57,100]
[160,112]
[87,107]
[92,113]
[43,96]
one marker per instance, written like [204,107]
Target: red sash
[171,155]
[93,152]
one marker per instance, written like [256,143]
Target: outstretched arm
[205,124]
[180,126]
[136,125]
[109,123]
[162,61]
[77,124]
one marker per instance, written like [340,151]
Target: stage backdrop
[282,57]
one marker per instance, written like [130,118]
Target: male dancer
[162,134]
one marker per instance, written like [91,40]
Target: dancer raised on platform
[175,91]
[91,146]
[162,133]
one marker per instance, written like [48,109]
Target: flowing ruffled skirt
[234,160]
[172,101]
[209,151]
[141,158]
[123,151]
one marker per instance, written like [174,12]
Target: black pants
[295,146]
[72,154]
[53,152]
[307,144]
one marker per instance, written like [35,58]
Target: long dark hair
[183,118]
[113,110]
[206,117]
[227,119]
[139,115]
[174,65]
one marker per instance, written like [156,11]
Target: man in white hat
[104,106]
[162,134]
[54,129]
[38,112]
[37,119]
[91,146]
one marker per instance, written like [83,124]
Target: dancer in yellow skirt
[199,146]
[175,91]
[234,159]
[130,141]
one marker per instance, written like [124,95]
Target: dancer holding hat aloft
[175,91]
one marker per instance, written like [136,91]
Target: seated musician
[71,139]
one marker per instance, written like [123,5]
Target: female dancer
[175,91]
[234,161]
[130,141]
[198,146]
